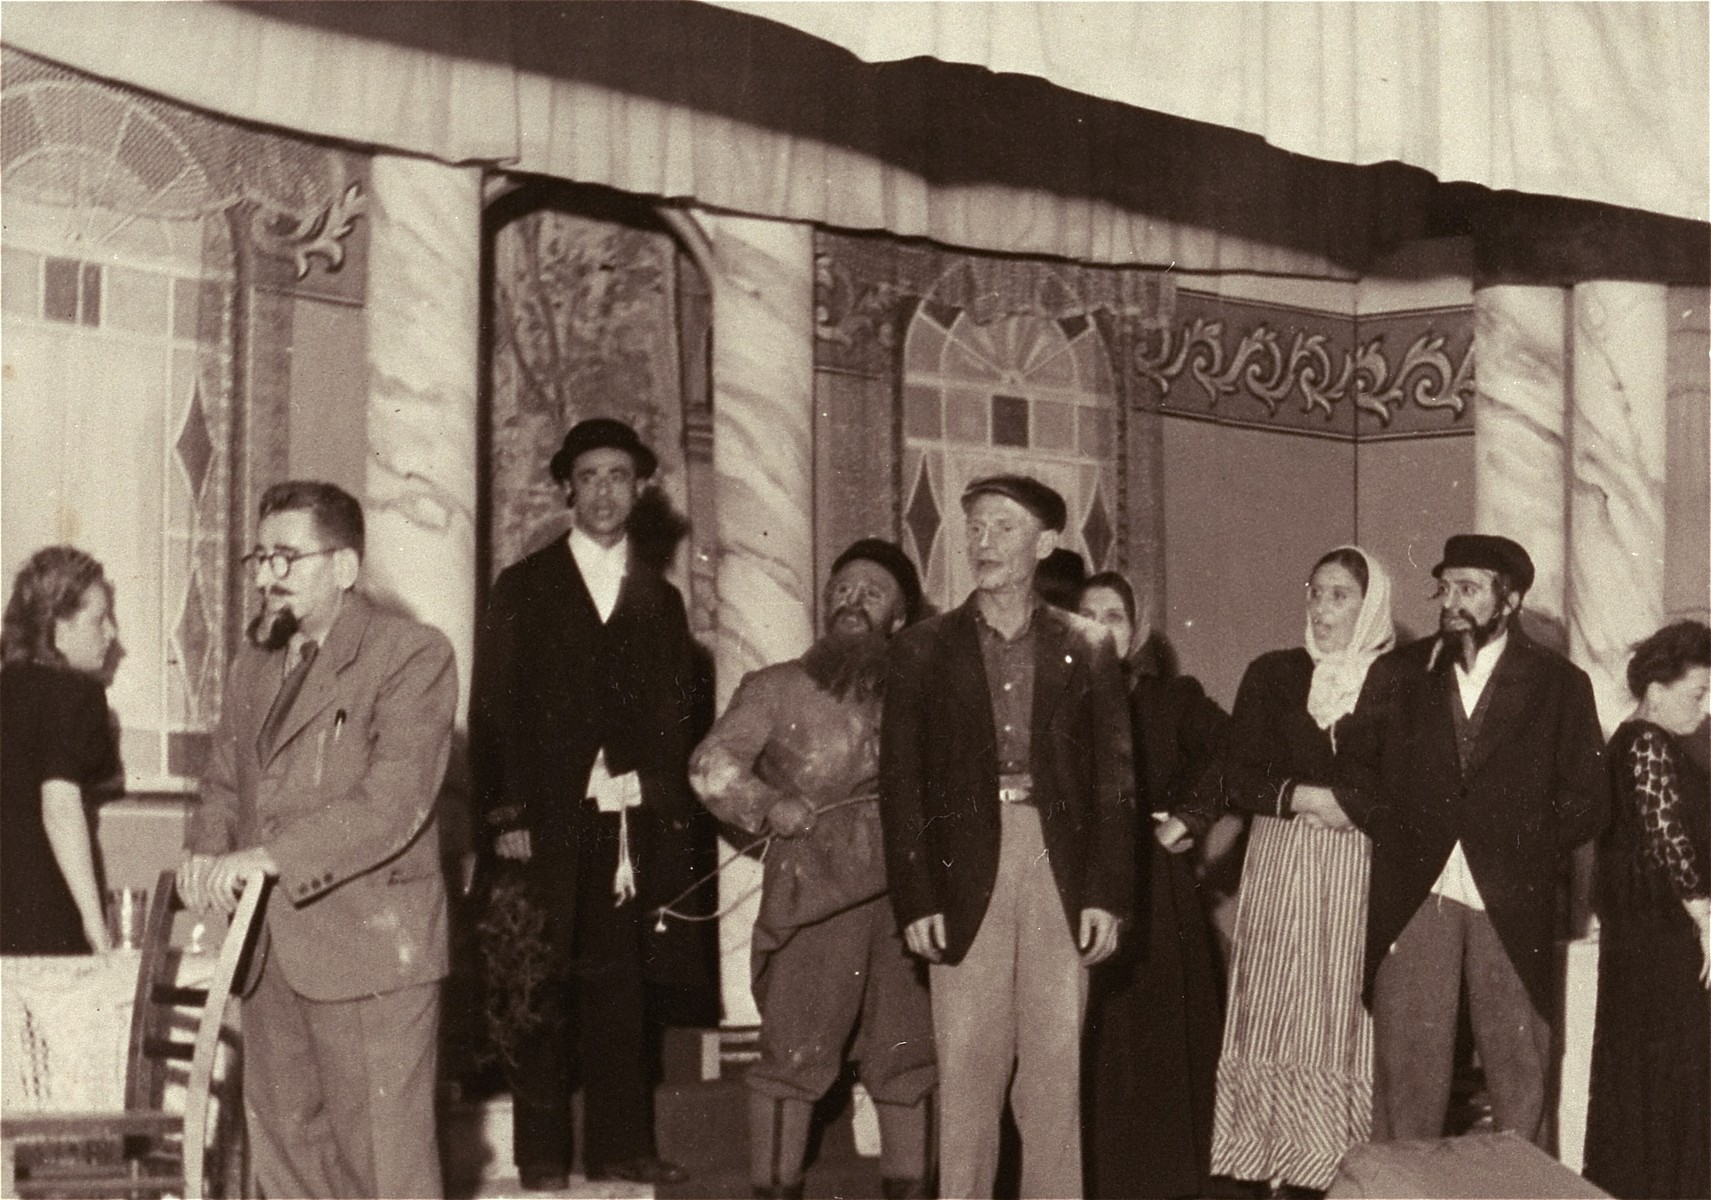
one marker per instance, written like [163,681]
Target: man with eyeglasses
[796,756]
[1473,761]
[324,770]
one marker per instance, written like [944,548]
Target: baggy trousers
[1015,1000]
[1415,1000]
[339,1095]
[847,972]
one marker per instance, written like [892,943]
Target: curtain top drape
[1597,101]
[1179,164]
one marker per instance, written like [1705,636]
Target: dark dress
[1647,1118]
[1155,1012]
[53,725]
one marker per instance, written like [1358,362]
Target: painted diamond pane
[1072,326]
[922,417]
[944,315]
[1096,530]
[193,636]
[923,516]
[195,447]
[1009,421]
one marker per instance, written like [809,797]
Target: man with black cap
[1473,762]
[796,756]
[1007,798]
[579,740]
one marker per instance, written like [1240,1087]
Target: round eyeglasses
[279,562]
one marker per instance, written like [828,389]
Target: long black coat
[553,685]
[1533,789]
[938,772]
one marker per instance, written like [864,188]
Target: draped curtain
[689,101]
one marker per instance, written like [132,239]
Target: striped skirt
[1295,1074]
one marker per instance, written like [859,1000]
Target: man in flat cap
[579,738]
[1473,762]
[1007,798]
[796,755]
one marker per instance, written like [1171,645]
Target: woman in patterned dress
[1648,1118]
[1295,1074]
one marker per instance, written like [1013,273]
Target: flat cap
[1490,552]
[601,433]
[1044,502]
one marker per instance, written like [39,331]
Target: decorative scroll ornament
[318,235]
[1260,367]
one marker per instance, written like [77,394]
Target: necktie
[285,699]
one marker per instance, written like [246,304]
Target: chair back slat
[144,1081]
[239,935]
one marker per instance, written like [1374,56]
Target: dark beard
[1464,644]
[848,666]
[272,630]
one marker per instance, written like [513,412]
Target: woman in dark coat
[1648,1117]
[1155,1012]
[56,747]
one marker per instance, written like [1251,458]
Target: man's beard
[848,666]
[1466,642]
[272,628]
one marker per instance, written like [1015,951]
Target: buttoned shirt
[1455,881]
[1009,664]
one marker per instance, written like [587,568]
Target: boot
[778,1142]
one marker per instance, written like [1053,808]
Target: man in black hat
[1007,799]
[1473,763]
[579,737]
[796,755]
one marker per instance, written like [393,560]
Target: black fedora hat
[601,433]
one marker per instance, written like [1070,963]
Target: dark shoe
[893,1188]
[536,1179]
[645,1168]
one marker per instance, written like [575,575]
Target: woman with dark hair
[1648,1116]
[56,745]
[1155,1011]
[1295,1076]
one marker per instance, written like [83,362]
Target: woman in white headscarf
[1295,1074]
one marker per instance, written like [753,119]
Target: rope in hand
[764,841]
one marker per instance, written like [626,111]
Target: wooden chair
[144,1151]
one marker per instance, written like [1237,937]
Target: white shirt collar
[602,568]
[1472,683]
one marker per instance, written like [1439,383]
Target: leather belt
[1015,789]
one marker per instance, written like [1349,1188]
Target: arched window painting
[1022,392]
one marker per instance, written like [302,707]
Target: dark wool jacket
[553,685]
[938,772]
[1532,787]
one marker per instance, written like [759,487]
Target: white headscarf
[1337,678]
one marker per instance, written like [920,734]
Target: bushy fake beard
[1466,643]
[273,628]
[848,666]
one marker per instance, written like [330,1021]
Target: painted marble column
[423,320]
[1617,440]
[763,408]
[1520,429]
